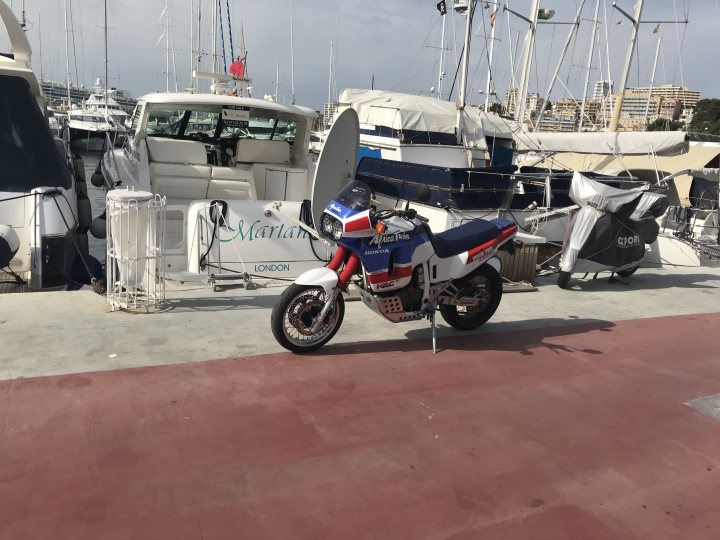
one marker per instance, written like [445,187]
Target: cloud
[396,42]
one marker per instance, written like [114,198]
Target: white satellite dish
[337,162]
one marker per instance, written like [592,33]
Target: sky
[396,43]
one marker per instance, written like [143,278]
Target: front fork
[351,262]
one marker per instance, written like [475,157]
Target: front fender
[319,277]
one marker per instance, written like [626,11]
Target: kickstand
[434,330]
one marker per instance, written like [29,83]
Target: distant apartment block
[533,103]
[602,89]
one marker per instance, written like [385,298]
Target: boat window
[28,153]
[200,122]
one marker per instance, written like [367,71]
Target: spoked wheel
[485,285]
[295,314]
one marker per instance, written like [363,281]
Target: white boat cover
[660,143]
[421,113]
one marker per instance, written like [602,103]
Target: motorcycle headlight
[326,224]
[337,230]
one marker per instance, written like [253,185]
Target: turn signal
[380,227]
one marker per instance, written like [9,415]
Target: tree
[496,108]
[706,117]
[663,124]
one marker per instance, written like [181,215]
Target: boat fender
[9,244]
[98,227]
[98,179]
[84,212]
[79,169]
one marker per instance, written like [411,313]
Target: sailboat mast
[488,86]
[292,56]
[192,42]
[40,43]
[615,120]
[591,52]
[330,78]
[441,70]
[67,54]
[167,45]
[522,92]
[465,61]
[106,61]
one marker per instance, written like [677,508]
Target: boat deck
[588,413]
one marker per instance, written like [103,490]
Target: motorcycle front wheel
[486,285]
[295,314]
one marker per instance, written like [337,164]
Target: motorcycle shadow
[515,336]
[640,281]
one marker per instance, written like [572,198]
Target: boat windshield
[28,153]
[208,123]
[355,196]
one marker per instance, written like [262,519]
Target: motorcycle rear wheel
[486,284]
[295,313]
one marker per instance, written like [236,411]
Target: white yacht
[89,129]
[44,209]
[112,112]
[236,178]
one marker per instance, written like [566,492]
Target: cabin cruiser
[44,209]
[235,175]
[89,129]
[112,112]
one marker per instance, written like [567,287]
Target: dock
[590,413]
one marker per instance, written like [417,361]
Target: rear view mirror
[423,193]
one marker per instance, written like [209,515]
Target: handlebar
[408,215]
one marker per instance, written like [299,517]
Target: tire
[564,279]
[293,315]
[629,272]
[484,282]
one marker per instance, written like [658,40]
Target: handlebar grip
[422,218]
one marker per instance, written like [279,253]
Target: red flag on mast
[237,68]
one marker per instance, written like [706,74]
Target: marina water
[97,199]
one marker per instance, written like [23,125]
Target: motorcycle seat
[467,236]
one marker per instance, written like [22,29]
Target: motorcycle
[610,230]
[403,271]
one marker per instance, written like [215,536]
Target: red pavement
[578,432]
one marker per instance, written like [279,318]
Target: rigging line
[222,35]
[72,34]
[232,48]
[423,45]
[679,46]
